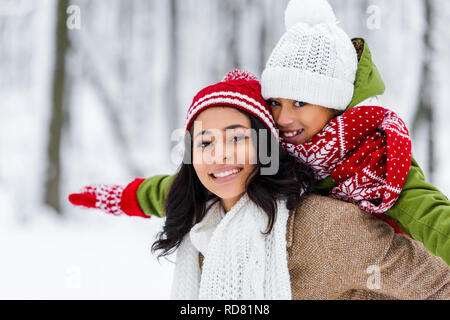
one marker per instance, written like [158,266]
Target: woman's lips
[225,174]
[291,136]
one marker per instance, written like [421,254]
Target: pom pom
[239,75]
[308,11]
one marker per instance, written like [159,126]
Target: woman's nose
[223,152]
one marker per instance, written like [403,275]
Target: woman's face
[223,152]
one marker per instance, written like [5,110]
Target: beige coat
[337,251]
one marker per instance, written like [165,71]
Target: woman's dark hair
[186,202]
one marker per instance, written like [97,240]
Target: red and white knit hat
[239,89]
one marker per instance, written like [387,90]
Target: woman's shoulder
[314,206]
[317,216]
[331,226]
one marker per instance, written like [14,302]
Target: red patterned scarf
[367,152]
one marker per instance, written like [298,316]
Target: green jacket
[421,211]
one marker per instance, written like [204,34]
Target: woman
[242,235]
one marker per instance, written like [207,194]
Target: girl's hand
[112,199]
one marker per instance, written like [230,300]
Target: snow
[90,256]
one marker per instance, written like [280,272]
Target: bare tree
[424,114]
[57,120]
[173,69]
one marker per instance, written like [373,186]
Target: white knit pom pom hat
[314,61]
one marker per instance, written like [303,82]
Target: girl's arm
[368,256]
[142,197]
[152,194]
[112,199]
[423,212]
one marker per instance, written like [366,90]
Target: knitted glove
[113,199]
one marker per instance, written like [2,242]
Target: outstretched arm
[112,199]
[142,197]
[152,194]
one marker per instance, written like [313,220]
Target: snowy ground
[88,256]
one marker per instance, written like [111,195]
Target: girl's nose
[285,117]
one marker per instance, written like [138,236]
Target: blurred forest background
[92,90]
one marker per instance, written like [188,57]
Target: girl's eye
[300,103]
[273,103]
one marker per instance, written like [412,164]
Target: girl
[360,152]
[241,235]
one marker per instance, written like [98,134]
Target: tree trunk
[172,71]
[52,188]
[424,114]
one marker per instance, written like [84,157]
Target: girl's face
[223,153]
[299,121]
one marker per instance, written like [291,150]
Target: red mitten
[113,199]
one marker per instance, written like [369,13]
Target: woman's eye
[204,144]
[238,138]
[300,103]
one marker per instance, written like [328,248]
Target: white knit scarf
[239,261]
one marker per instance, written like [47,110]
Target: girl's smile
[291,135]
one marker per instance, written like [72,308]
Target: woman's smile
[225,174]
